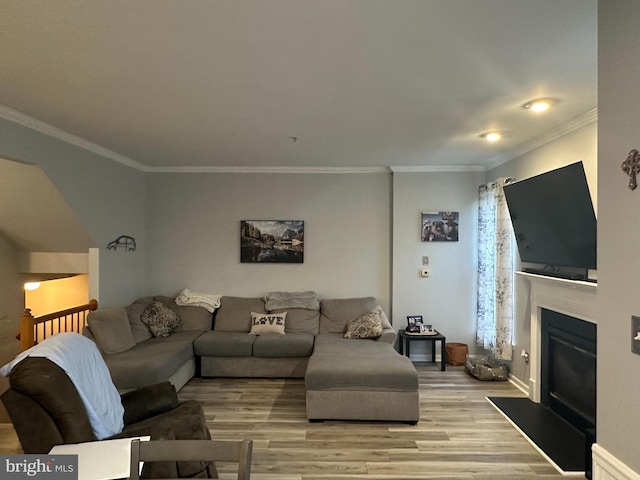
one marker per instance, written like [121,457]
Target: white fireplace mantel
[570,297]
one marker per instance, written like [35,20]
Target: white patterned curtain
[495,272]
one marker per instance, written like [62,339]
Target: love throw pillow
[267,323]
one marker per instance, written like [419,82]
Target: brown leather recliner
[46,410]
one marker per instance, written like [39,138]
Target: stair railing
[35,329]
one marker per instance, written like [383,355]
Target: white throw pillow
[267,323]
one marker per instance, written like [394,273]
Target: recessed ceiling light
[539,104]
[493,136]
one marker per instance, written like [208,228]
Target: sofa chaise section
[358,379]
[134,356]
[154,361]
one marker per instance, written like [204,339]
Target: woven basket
[456,353]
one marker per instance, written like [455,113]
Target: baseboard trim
[608,467]
[519,384]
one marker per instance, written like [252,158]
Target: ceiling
[168,84]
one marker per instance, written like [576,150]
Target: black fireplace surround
[568,368]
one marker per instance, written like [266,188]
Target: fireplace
[570,298]
[568,368]
[562,364]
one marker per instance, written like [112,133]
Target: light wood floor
[459,435]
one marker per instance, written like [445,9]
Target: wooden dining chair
[192,450]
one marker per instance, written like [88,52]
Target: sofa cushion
[234,314]
[300,320]
[291,345]
[386,324]
[368,325]
[161,320]
[335,344]
[285,300]
[224,344]
[111,330]
[152,361]
[193,318]
[263,323]
[134,311]
[336,313]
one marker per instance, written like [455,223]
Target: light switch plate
[425,261]
[635,335]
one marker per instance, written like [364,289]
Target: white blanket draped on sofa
[208,301]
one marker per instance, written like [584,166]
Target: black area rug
[558,439]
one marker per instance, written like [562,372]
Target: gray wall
[193,236]
[578,145]
[194,233]
[11,305]
[447,298]
[11,300]
[107,197]
[618,230]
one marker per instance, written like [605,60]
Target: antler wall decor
[631,166]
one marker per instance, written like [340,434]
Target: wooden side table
[405,339]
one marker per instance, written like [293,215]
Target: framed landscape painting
[439,226]
[271,241]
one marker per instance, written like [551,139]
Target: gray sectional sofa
[351,379]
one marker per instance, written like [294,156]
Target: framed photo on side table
[414,319]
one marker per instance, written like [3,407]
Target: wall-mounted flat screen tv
[553,218]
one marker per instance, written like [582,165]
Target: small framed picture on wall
[439,226]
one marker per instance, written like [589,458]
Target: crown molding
[283,169]
[54,132]
[437,168]
[571,126]
[51,131]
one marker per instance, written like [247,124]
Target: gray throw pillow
[368,325]
[110,327]
[160,319]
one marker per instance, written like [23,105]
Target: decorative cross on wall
[631,166]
